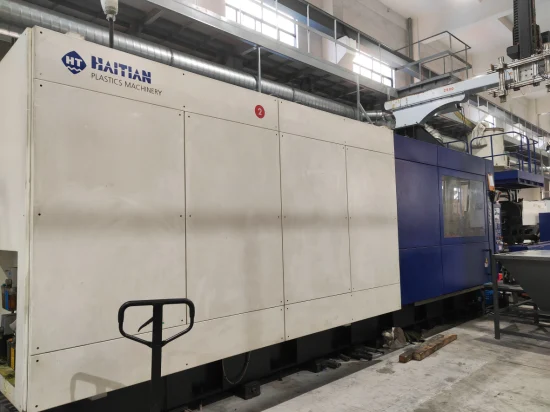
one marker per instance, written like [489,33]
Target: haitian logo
[120,69]
[74,62]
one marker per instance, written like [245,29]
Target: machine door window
[463,207]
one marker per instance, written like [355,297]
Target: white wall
[371,17]
[376,20]
[438,16]
[528,108]
[542,111]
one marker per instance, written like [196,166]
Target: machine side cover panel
[421,274]
[316,315]
[417,204]
[464,266]
[234,239]
[108,205]
[61,377]
[333,128]
[452,159]
[14,190]
[415,150]
[315,219]
[372,219]
[374,302]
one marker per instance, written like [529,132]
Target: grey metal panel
[531,268]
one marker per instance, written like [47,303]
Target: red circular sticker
[260,111]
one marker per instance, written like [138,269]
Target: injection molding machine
[124,179]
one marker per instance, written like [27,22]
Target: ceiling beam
[152,16]
[247,51]
[91,13]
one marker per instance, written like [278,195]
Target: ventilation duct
[29,15]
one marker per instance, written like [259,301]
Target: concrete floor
[474,373]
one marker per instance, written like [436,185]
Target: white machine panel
[234,239]
[108,71]
[483,148]
[373,219]
[69,375]
[532,209]
[315,223]
[332,128]
[374,302]
[222,338]
[15,86]
[316,315]
[109,205]
[202,95]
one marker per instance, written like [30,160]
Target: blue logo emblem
[74,62]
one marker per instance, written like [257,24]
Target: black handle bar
[156,344]
[156,304]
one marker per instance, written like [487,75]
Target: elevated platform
[518,179]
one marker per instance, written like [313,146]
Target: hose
[241,374]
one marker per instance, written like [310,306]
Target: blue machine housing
[431,264]
[544,224]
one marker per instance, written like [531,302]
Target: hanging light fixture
[110,8]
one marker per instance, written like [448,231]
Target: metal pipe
[358,99]
[10,31]
[434,133]
[365,114]
[378,115]
[307,19]
[111,33]
[528,156]
[410,38]
[335,42]
[467,74]
[521,151]
[29,15]
[454,142]
[260,69]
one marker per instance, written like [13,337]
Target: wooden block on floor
[432,346]
[406,356]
